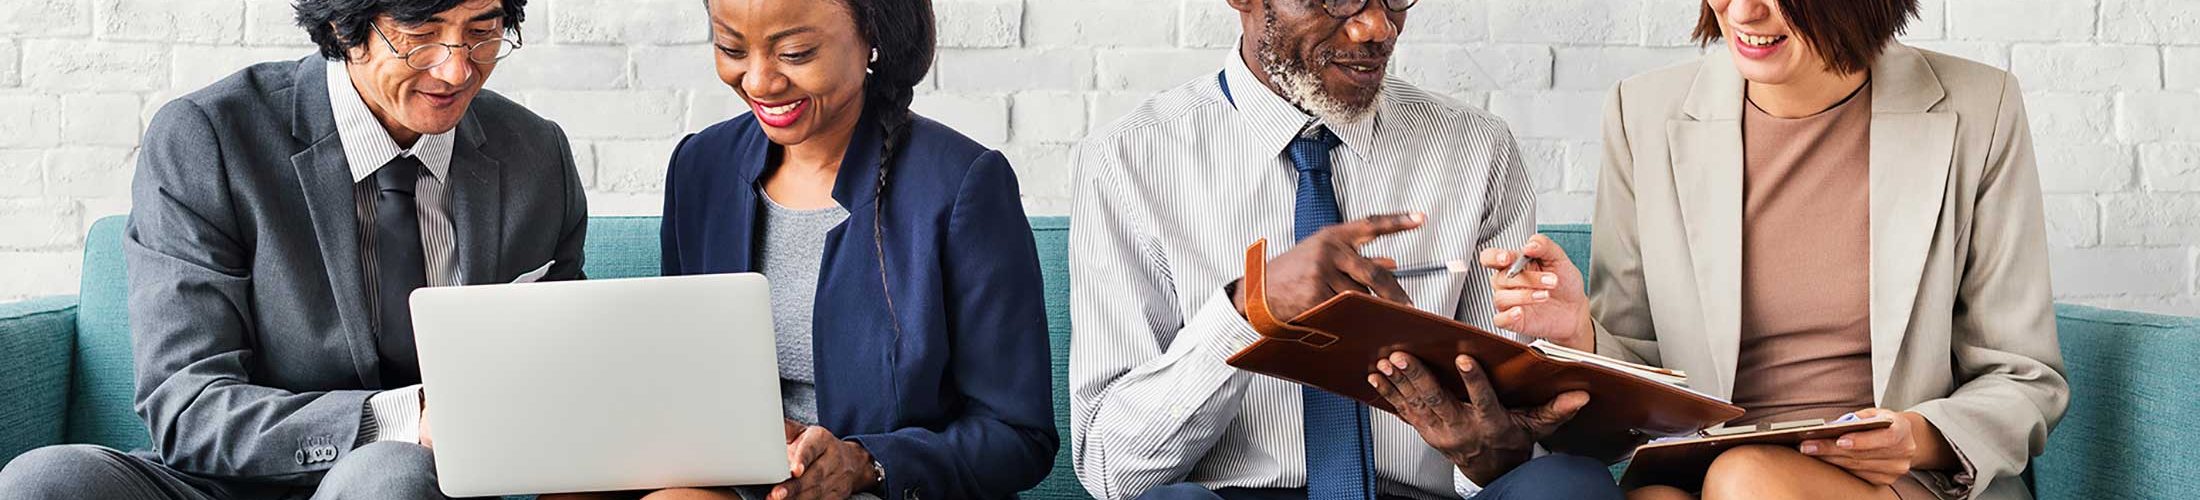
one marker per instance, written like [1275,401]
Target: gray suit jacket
[1962,314]
[254,354]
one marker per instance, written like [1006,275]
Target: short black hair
[338,26]
[1849,34]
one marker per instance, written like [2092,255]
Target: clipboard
[1335,345]
[1681,464]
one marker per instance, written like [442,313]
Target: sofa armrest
[37,337]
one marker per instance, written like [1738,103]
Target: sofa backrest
[103,387]
[2129,432]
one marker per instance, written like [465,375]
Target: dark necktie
[401,267]
[1340,458]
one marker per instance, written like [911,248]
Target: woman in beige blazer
[1812,204]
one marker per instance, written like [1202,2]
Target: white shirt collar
[367,146]
[1274,121]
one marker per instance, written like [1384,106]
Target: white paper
[537,274]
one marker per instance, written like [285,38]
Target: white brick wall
[2114,89]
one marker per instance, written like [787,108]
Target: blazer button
[301,454]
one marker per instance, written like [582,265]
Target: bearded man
[1300,137]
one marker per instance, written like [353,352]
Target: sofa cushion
[37,338]
[2133,409]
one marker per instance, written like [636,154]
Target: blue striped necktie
[1340,459]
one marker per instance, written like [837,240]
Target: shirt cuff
[1466,487]
[392,415]
[1219,327]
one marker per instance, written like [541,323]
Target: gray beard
[1300,85]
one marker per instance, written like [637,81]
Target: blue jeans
[1553,477]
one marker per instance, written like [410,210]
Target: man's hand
[824,467]
[1329,263]
[1480,437]
[1547,300]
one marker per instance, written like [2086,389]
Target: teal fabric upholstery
[622,247]
[2133,428]
[2129,432]
[103,390]
[1052,235]
[36,340]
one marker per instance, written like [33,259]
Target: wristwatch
[880,470]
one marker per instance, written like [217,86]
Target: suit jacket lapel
[333,207]
[1706,149]
[1911,158]
[477,206]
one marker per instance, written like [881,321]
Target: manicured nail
[1550,279]
[1385,368]
[1809,449]
[1540,295]
[1845,443]
[1418,217]
[1465,366]
[1371,382]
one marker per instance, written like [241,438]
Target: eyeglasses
[1348,8]
[428,56]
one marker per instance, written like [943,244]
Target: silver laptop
[601,385]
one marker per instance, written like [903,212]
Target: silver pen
[1520,263]
[1449,266]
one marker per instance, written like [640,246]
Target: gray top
[791,251]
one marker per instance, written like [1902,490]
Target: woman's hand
[824,466]
[1547,300]
[1881,456]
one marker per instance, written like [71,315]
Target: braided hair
[903,36]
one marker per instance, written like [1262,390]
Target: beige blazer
[1962,321]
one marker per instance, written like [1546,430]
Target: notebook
[1334,346]
[1680,462]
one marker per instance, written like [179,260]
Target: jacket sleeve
[1619,301]
[572,250]
[2008,362]
[191,300]
[1005,440]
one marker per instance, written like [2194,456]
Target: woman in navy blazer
[929,337]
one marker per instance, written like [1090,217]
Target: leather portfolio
[1334,346]
[1681,463]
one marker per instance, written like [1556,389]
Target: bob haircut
[1849,34]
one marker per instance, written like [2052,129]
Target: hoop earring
[874,60]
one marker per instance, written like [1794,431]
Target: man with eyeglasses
[1300,137]
[281,217]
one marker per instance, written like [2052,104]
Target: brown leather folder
[1334,347]
[1681,464]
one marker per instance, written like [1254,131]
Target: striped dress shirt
[1168,198]
[393,415]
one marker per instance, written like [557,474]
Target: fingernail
[1810,449]
[1549,279]
[1466,367]
[1844,443]
[1385,367]
[1371,382]
[1540,295]
[1418,217]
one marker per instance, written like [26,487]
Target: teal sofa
[2133,429]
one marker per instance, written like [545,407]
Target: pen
[1449,266]
[1519,264]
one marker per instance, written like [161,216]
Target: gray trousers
[376,471]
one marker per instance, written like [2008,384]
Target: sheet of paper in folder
[1335,345]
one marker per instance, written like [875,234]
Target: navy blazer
[949,390]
